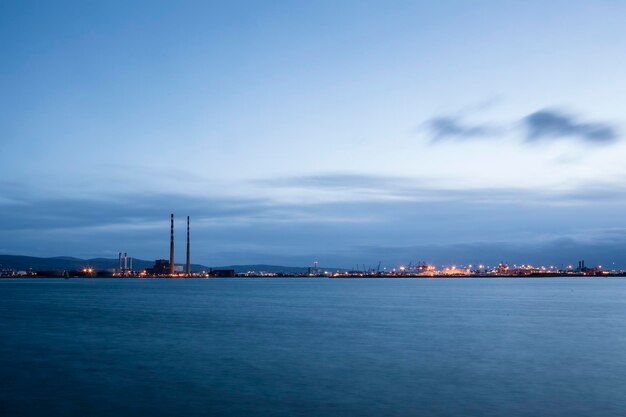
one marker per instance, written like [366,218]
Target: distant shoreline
[31,278]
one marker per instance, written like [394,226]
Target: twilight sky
[345,132]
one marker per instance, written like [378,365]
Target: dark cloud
[551,124]
[40,213]
[434,224]
[449,127]
[557,251]
[538,126]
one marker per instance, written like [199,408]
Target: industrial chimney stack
[188,266]
[172,245]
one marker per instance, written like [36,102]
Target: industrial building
[163,267]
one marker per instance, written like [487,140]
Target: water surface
[313,347]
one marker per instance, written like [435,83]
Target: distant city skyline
[339,132]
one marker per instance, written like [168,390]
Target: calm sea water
[313,347]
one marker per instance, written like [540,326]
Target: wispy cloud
[539,126]
[327,198]
[339,187]
[450,127]
[551,124]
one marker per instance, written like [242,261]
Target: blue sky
[344,132]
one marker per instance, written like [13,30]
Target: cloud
[551,124]
[429,223]
[537,250]
[365,184]
[449,127]
[343,188]
[544,124]
[123,213]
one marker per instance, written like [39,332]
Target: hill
[61,263]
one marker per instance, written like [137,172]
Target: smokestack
[172,245]
[119,263]
[125,262]
[188,266]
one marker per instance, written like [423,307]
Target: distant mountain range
[24,263]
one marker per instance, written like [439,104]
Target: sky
[350,132]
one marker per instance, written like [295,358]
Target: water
[313,347]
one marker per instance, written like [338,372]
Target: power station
[165,268]
[172,263]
